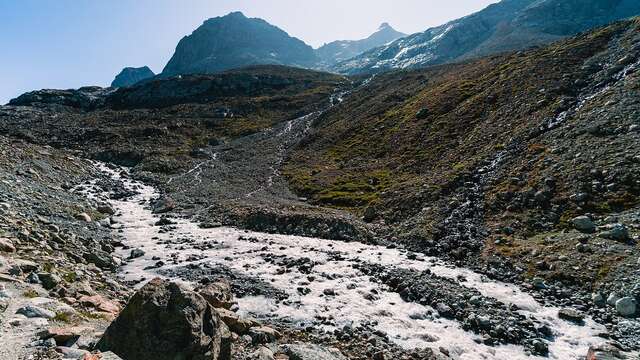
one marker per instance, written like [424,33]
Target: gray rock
[617,232]
[218,294]
[584,224]
[32,311]
[312,352]
[48,280]
[626,306]
[164,321]
[613,297]
[263,335]
[571,315]
[597,299]
[263,353]
[136,253]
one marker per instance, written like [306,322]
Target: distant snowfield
[405,323]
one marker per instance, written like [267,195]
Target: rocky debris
[164,321]
[584,224]
[83,217]
[312,352]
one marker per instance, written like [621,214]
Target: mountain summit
[234,41]
[341,50]
[504,26]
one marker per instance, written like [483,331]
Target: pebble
[31,311]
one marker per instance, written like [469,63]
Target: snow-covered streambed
[338,291]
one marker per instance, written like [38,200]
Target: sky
[65,44]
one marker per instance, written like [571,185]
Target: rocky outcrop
[85,98]
[234,41]
[130,76]
[164,321]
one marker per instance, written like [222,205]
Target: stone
[617,232]
[62,336]
[106,209]
[32,311]
[71,353]
[235,322]
[163,205]
[571,315]
[49,280]
[136,253]
[604,352]
[263,334]
[6,245]
[263,353]
[584,224]
[218,294]
[597,299]
[612,299]
[83,217]
[164,321]
[312,352]
[626,306]
[444,310]
[99,303]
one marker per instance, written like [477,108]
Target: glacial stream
[248,253]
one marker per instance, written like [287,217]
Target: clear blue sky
[71,43]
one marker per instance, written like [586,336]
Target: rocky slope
[130,76]
[341,50]
[507,25]
[494,157]
[234,41]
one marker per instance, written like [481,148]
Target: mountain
[341,50]
[234,41]
[507,25]
[129,76]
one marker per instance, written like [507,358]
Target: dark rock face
[163,321]
[505,26]
[130,76]
[341,50]
[234,41]
[85,98]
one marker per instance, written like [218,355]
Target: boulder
[163,205]
[626,306]
[617,232]
[218,294]
[83,217]
[604,352]
[237,324]
[101,304]
[263,334]
[571,315]
[32,311]
[312,352]
[164,321]
[584,224]
[48,280]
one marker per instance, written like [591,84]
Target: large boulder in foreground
[164,321]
